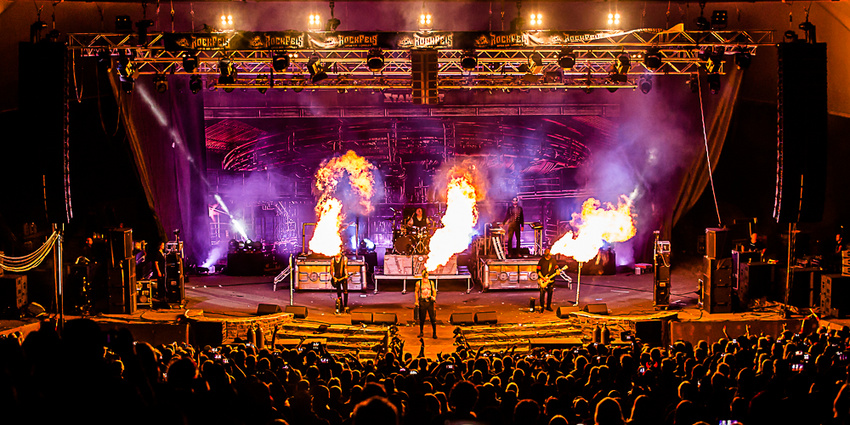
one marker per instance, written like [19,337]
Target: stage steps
[503,336]
[338,339]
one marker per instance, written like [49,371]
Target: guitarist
[339,280]
[547,269]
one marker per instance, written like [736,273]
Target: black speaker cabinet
[564,312]
[661,293]
[717,243]
[120,244]
[298,311]
[175,280]
[486,317]
[361,317]
[804,288]
[384,318]
[716,290]
[13,295]
[835,295]
[756,280]
[597,308]
[263,309]
[121,288]
[801,132]
[462,319]
[649,332]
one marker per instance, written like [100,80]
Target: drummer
[419,219]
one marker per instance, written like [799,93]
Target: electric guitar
[545,281]
[335,282]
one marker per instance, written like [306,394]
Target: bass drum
[403,245]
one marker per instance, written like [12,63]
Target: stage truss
[682,53]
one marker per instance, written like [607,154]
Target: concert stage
[220,309]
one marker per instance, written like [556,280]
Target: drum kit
[412,240]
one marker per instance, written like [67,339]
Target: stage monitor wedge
[384,318]
[298,311]
[361,318]
[486,317]
[263,309]
[462,319]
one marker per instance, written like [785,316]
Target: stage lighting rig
[160,82]
[190,61]
[375,60]
[614,19]
[536,20]
[104,60]
[652,59]
[315,22]
[566,58]
[693,83]
[195,84]
[142,30]
[535,63]
[719,19]
[280,61]
[743,59]
[227,21]
[126,71]
[468,61]
[702,22]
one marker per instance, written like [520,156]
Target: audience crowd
[92,377]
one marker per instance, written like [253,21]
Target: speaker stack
[121,283]
[175,291]
[716,290]
[835,295]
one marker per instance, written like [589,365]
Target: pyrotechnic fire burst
[596,225]
[458,223]
[358,171]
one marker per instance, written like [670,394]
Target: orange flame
[358,170]
[458,223]
[596,225]
[326,239]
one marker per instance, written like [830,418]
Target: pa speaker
[599,308]
[716,243]
[801,133]
[486,317]
[263,309]
[564,312]
[298,311]
[361,317]
[649,331]
[384,318]
[462,319]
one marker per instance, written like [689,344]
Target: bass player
[547,269]
[339,280]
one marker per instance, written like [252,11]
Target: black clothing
[427,307]
[514,221]
[546,268]
[157,258]
[423,222]
[339,275]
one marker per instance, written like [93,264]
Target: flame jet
[333,194]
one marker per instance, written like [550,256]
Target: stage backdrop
[165,132]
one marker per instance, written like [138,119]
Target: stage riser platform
[414,265]
[315,275]
[509,274]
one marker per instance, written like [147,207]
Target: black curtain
[165,132]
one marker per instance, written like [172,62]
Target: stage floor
[625,294]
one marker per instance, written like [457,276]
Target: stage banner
[295,40]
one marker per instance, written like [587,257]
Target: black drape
[165,132]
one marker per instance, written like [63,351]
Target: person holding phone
[425,301]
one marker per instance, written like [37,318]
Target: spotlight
[227,73]
[536,63]
[566,58]
[315,22]
[375,59]
[613,19]
[743,59]
[652,59]
[715,60]
[317,71]
[226,20]
[190,61]
[714,83]
[536,20]
[425,21]
[142,28]
[645,84]
[280,61]
[703,24]
[468,61]
[693,83]
[104,60]
[126,71]
[195,84]
[719,19]
[160,82]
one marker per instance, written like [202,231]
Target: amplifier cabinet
[13,294]
[835,295]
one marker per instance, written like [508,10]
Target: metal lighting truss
[682,52]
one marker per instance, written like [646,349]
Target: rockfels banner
[296,40]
